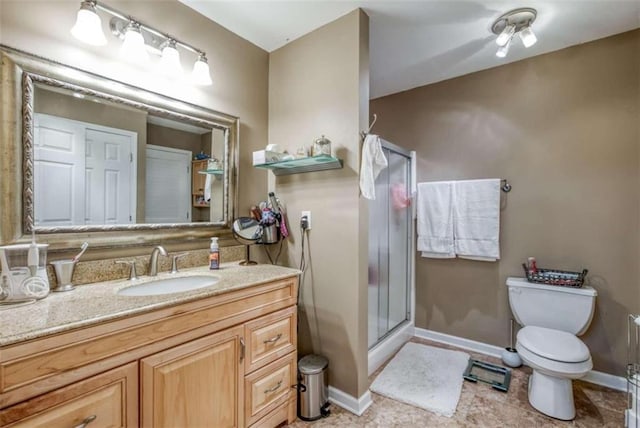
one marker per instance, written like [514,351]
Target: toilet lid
[553,344]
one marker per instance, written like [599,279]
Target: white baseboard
[460,342]
[380,353]
[357,406]
[605,379]
[599,378]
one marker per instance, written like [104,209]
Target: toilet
[551,318]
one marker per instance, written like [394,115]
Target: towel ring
[506,187]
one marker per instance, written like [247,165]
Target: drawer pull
[273,388]
[86,421]
[274,339]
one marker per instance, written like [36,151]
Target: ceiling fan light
[506,34]
[88,26]
[133,47]
[201,74]
[528,37]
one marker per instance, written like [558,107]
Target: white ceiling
[413,43]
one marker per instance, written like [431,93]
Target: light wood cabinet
[222,361]
[197,182]
[109,399]
[196,384]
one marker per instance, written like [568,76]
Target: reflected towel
[477,219]
[373,161]
[207,187]
[435,220]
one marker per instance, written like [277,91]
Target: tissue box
[265,156]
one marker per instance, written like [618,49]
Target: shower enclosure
[390,247]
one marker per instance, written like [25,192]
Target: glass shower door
[389,248]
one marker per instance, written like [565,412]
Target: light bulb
[528,37]
[170,60]
[503,50]
[133,47]
[201,74]
[506,35]
[88,26]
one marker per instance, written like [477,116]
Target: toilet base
[552,396]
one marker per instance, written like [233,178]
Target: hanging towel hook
[506,187]
[373,122]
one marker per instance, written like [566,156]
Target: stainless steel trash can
[313,387]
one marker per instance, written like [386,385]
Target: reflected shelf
[298,166]
[211,171]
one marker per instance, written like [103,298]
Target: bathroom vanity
[223,355]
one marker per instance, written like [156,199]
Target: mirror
[99,163]
[247,231]
[88,154]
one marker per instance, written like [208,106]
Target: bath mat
[425,377]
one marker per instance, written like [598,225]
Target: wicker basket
[562,278]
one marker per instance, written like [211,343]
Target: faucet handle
[133,275]
[174,262]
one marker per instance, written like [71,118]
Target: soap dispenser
[214,254]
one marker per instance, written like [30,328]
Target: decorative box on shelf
[308,164]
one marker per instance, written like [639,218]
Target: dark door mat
[497,376]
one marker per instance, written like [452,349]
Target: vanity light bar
[88,29]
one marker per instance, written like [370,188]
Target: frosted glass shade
[88,27]
[528,37]
[503,50]
[170,61]
[504,37]
[201,73]
[133,48]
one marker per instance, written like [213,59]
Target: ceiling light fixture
[517,21]
[138,40]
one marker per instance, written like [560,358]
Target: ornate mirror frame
[19,73]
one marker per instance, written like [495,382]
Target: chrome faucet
[153,260]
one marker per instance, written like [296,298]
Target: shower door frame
[409,321]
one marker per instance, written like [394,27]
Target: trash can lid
[312,364]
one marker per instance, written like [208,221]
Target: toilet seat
[554,368]
[553,344]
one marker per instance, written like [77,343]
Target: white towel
[477,219]
[207,187]
[373,161]
[435,220]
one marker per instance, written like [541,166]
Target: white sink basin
[169,285]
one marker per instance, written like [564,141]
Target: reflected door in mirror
[82,173]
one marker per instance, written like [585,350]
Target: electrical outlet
[306,214]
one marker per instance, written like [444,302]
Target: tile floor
[482,406]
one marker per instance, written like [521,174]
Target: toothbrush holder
[64,273]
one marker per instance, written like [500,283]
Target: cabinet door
[198,180]
[109,399]
[198,384]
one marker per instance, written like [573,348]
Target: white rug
[425,377]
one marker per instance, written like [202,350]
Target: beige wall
[239,68]
[564,129]
[314,89]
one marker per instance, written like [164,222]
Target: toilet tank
[562,308]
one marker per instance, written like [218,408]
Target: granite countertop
[99,302]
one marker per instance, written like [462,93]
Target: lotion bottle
[214,254]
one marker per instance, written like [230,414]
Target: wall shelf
[298,166]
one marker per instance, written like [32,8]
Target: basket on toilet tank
[562,278]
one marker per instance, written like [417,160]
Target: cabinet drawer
[106,400]
[269,338]
[269,387]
